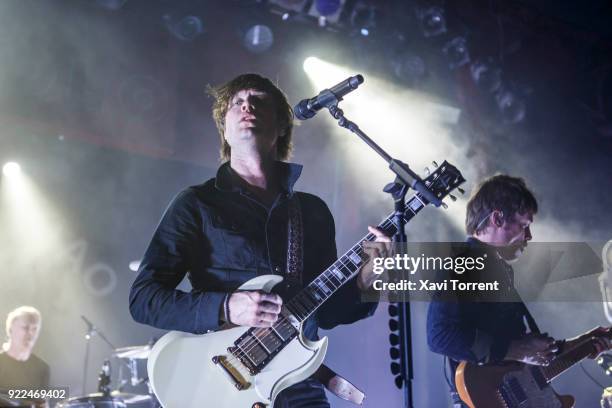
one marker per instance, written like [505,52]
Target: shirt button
[277,269]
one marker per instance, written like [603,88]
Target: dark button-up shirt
[220,235]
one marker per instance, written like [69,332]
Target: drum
[93,401]
[6,402]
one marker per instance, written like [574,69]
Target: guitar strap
[295,247]
[335,383]
[531,323]
[533,326]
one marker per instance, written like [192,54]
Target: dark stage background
[103,105]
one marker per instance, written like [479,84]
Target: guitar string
[243,350]
[251,344]
[256,340]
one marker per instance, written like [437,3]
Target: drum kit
[128,376]
[106,397]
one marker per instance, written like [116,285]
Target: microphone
[91,329]
[307,108]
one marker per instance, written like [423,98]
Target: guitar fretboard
[257,346]
[567,360]
[345,268]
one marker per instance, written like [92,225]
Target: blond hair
[20,312]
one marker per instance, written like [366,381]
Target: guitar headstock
[443,180]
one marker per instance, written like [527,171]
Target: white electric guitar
[243,367]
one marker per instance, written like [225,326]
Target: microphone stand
[404,174]
[405,178]
[398,191]
[91,331]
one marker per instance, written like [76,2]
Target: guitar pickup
[231,372]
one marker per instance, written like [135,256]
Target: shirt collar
[478,244]
[288,172]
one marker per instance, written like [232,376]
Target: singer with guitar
[483,340]
[239,225]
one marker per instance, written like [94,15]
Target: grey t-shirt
[32,373]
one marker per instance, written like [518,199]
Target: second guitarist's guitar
[517,385]
[246,367]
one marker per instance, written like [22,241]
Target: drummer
[19,367]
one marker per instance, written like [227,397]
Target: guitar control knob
[435,163]
[258,405]
[452,197]
[427,171]
[462,191]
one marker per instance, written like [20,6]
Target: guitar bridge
[231,372]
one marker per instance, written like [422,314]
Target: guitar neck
[308,300]
[567,359]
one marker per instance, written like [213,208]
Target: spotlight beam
[11,169]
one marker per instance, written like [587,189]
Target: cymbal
[5,401]
[138,352]
[131,398]
[92,400]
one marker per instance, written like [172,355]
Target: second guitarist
[498,220]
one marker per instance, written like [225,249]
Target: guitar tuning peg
[435,164]
[452,197]
[462,191]
[427,171]
[445,206]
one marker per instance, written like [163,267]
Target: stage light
[409,67]
[433,21]
[134,265]
[457,52]
[185,28]
[327,7]
[11,169]
[26,208]
[309,64]
[363,18]
[258,38]
[320,70]
[511,107]
[486,74]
